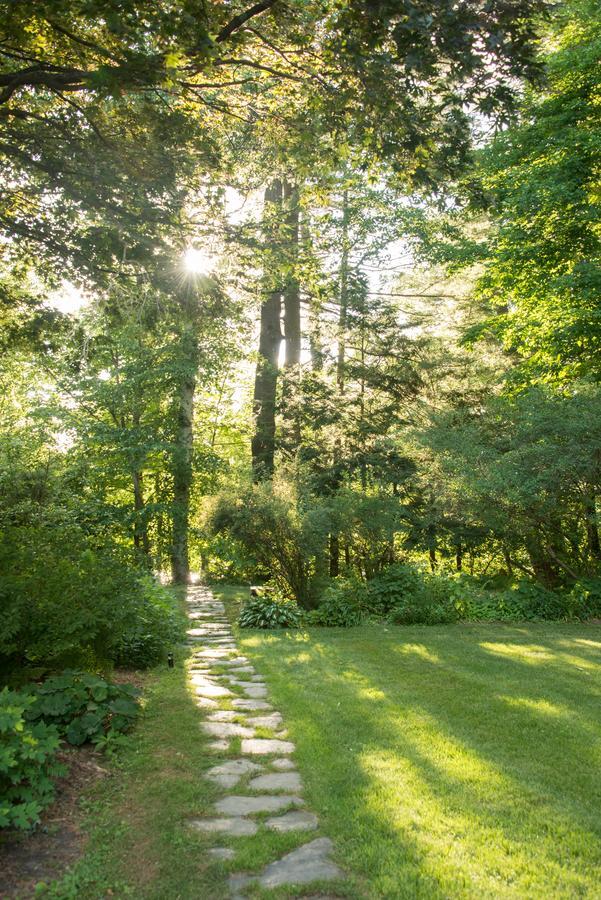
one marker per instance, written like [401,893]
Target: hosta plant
[270,612]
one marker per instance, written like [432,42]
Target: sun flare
[198,261]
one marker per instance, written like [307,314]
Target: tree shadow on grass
[452,762]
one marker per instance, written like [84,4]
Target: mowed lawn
[452,761]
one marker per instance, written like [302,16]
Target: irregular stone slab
[213,690]
[237,661]
[209,629]
[296,820]
[219,746]
[236,826]
[229,773]
[243,669]
[255,691]
[213,653]
[270,721]
[227,729]
[223,715]
[250,704]
[248,806]
[305,864]
[206,703]
[266,745]
[200,679]
[222,852]
[277,781]
[284,765]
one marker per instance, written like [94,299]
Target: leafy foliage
[27,762]
[84,707]
[155,626]
[339,605]
[281,535]
[270,611]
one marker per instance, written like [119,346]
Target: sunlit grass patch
[448,761]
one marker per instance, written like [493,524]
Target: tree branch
[238,21]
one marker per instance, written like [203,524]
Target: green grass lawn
[455,761]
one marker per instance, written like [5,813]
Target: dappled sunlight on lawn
[530,654]
[535,705]
[420,650]
[446,761]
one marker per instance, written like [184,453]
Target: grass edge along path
[452,761]
[138,844]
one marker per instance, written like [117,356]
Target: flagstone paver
[303,865]
[295,820]
[284,765]
[251,704]
[277,781]
[239,805]
[262,746]
[229,773]
[236,826]
[275,785]
[227,729]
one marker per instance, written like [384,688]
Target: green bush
[84,707]
[27,762]
[67,603]
[155,623]
[268,611]
[392,587]
[339,605]
[585,598]
[530,601]
[410,596]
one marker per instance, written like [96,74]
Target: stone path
[262,788]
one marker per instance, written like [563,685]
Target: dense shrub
[339,606]
[410,596]
[27,762]
[530,601]
[68,603]
[281,534]
[155,623]
[84,707]
[393,587]
[270,611]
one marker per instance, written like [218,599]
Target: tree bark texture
[266,374]
[182,467]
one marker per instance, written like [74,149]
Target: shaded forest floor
[455,761]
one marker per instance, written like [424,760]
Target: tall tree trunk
[334,555]
[544,569]
[182,465]
[292,319]
[266,375]
[343,309]
[459,557]
[141,538]
[340,359]
[292,306]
